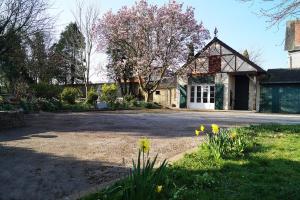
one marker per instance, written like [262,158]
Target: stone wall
[10,119]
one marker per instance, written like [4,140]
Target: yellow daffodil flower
[159,188]
[215,128]
[197,132]
[233,135]
[202,128]
[144,144]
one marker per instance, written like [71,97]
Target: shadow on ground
[44,176]
[139,123]
[256,179]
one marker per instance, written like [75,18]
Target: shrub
[44,90]
[7,107]
[92,96]
[21,89]
[149,105]
[48,105]
[37,104]
[29,105]
[78,107]
[109,93]
[69,95]
[226,143]
[130,100]
[1,100]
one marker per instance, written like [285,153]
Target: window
[205,94]
[157,92]
[198,94]
[212,94]
[192,97]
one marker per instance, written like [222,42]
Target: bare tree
[86,16]
[277,11]
[255,55]
[21,17]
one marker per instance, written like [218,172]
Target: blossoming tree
[154,39]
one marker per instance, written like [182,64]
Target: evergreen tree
[70,47]
[246,54]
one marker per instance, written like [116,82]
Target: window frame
[192,94]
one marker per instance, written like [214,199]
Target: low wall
[10,119]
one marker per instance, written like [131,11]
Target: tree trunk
[147,95]
[87,81]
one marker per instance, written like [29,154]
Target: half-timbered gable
[219,77]
[218,57]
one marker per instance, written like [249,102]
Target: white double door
[201,96]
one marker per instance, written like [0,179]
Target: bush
[48,105]
[130,100]
[149,105]
[21,89]
[69,95]
[109,93]
[43,90]
[227,143]
[92,96]
[29,106]
[7,107]
[43,104]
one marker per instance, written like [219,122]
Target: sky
[238,25]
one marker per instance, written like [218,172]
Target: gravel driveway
[57,155]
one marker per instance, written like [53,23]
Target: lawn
[271,170]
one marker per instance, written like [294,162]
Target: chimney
[297,33]
[292,43]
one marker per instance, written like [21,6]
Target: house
[217,78]
[166,93]
[292,43]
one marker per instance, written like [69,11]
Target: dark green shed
[280,91]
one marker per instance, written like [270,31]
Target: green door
[183,96]
[219,94]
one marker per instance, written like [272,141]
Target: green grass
[270,171]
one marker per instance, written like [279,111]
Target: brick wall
[297,33]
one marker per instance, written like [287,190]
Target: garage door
[280,98]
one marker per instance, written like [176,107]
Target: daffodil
[233,135]
[144,144]
[197,132]
[215,128]
[159,188]
[202,128]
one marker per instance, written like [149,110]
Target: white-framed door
[201,96]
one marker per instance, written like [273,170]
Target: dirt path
[61,154]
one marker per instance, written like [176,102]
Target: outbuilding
[219,77]
[280,91]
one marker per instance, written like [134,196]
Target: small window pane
[198,94]
[157,92]
[192,97]
[205,94]
[212,94]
